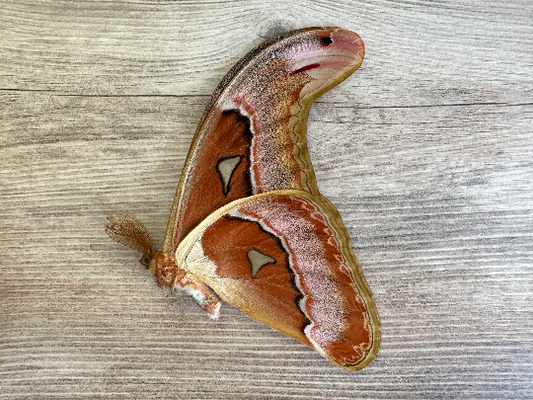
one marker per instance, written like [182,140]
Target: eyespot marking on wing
[258,260]
[326,41]
[225,168]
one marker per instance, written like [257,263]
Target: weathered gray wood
[426,151]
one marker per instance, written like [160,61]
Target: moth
[248,223]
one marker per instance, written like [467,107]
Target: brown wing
[252,136]
[284,258]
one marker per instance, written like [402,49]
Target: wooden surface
[426,151]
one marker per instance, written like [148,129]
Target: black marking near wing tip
[326,41]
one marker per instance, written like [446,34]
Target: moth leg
[204,296]
[168,274]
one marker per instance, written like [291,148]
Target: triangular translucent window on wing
[258,260]
[225,168]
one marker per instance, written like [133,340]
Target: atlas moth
[248,223]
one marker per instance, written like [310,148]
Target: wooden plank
[426,151]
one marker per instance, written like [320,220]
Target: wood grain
[426,151]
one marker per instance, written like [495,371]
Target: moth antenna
[131,232]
